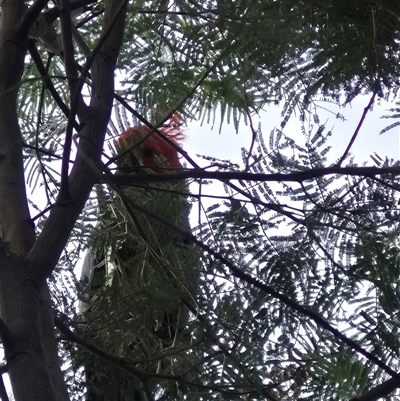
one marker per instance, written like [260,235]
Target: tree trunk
[29,345]
[15,224]
[26,315]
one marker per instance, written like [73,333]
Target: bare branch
[47,80]
[298,176]
[353,138]
[50,243]
[380,391]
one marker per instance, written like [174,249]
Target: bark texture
[26,325]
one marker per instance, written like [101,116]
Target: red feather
[154,152]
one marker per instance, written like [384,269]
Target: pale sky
[206,139]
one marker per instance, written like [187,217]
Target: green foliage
[333,250]
[329,243]
[145,279]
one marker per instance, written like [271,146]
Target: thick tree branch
[53,13]
[47,80]
[76,88]
[15,225]
[75,92]
[379,391]
[298,176]
[30,16]
[56,231]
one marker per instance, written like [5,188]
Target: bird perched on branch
[141,273]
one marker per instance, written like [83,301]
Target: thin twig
[353,138]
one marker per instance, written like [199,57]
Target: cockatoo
[142,274]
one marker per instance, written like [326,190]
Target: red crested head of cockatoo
[141,146]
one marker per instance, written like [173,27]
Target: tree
[308,313]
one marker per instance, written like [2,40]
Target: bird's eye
[148,152]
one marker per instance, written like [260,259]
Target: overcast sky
[207,140]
